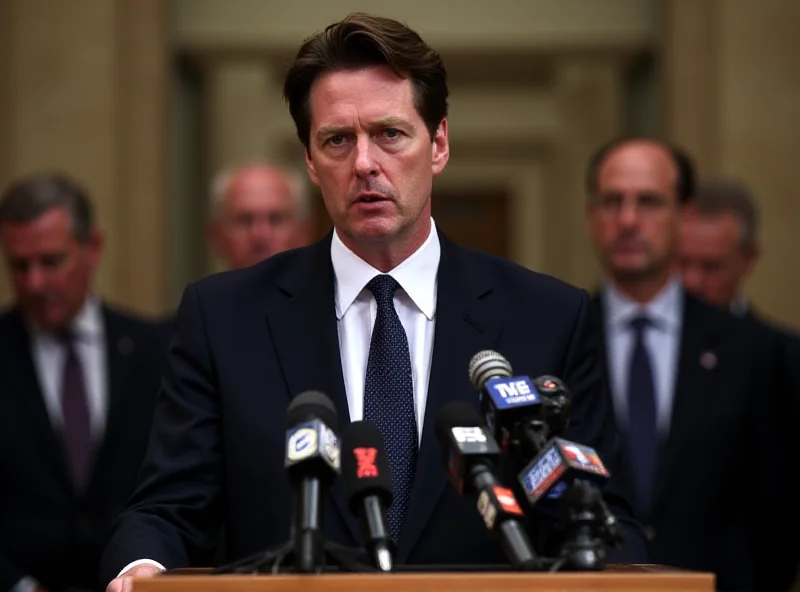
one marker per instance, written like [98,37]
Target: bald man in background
[695,390]
[257,210]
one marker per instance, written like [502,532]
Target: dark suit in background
[50,532]
[247,341]
[790,375]
[716,504]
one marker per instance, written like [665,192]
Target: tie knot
[383,288]
[639,324]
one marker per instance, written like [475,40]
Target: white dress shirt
[662,339]
[50,355]
[356,310]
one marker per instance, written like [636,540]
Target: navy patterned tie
[389,397]
[75,413]
[642,423]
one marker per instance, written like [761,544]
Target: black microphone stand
[588,531]
[281,559]
[306,551]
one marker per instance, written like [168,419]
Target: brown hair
[722,195]
[360,41]
[30,197]
[686,182]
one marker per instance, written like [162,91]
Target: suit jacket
[49,531]
[790,375]
[247,341]
[721,468]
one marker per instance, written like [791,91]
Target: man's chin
[375,231]
[634,273]
[47,323]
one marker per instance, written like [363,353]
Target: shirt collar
[416,275]
[86,326]
[665,310]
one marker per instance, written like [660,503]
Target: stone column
[589,96]
[732,83]
[82,90]
[242,111]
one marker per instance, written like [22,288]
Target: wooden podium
[639,578]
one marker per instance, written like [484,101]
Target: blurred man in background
[719,246]
[719,251]
[257,210]
[78,382]
[694,388]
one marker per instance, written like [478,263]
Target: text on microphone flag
[365,462]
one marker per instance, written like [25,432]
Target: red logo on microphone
[506,499]
[365,459]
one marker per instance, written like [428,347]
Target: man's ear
[312,170]
[441,148]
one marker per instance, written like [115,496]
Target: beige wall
[82,90]
[535,86]
[733,99]
[83,86]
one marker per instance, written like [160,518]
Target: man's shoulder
[253,283]
[10,321]
[741,332]
[7,315]
[146,329]
[787,332]
[521,283]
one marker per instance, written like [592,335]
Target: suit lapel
[118,348]
[695,380]
[464,326]
[303,327]
[23,382]
[623,477]
[599,309]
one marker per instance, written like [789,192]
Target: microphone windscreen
[487,364]
[311,405]
[456,414]
[365,468]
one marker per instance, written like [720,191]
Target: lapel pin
[125,345]
[708,360]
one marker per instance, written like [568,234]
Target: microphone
[511,405]
[368,483]
[555,468]
[568,476]
[311,463]
[471,454]
[562,463]
[526,414]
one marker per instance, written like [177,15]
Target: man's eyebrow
[335,130]
[393,122]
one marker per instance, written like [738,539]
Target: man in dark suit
[77,390]
[719,250]
[695,390]
[354,317]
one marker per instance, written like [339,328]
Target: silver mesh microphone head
[485,365]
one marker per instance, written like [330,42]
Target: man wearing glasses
[692,386]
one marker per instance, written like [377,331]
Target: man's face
[713,261]
[634,215]
[51,272]
[257,218]
[372,157]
